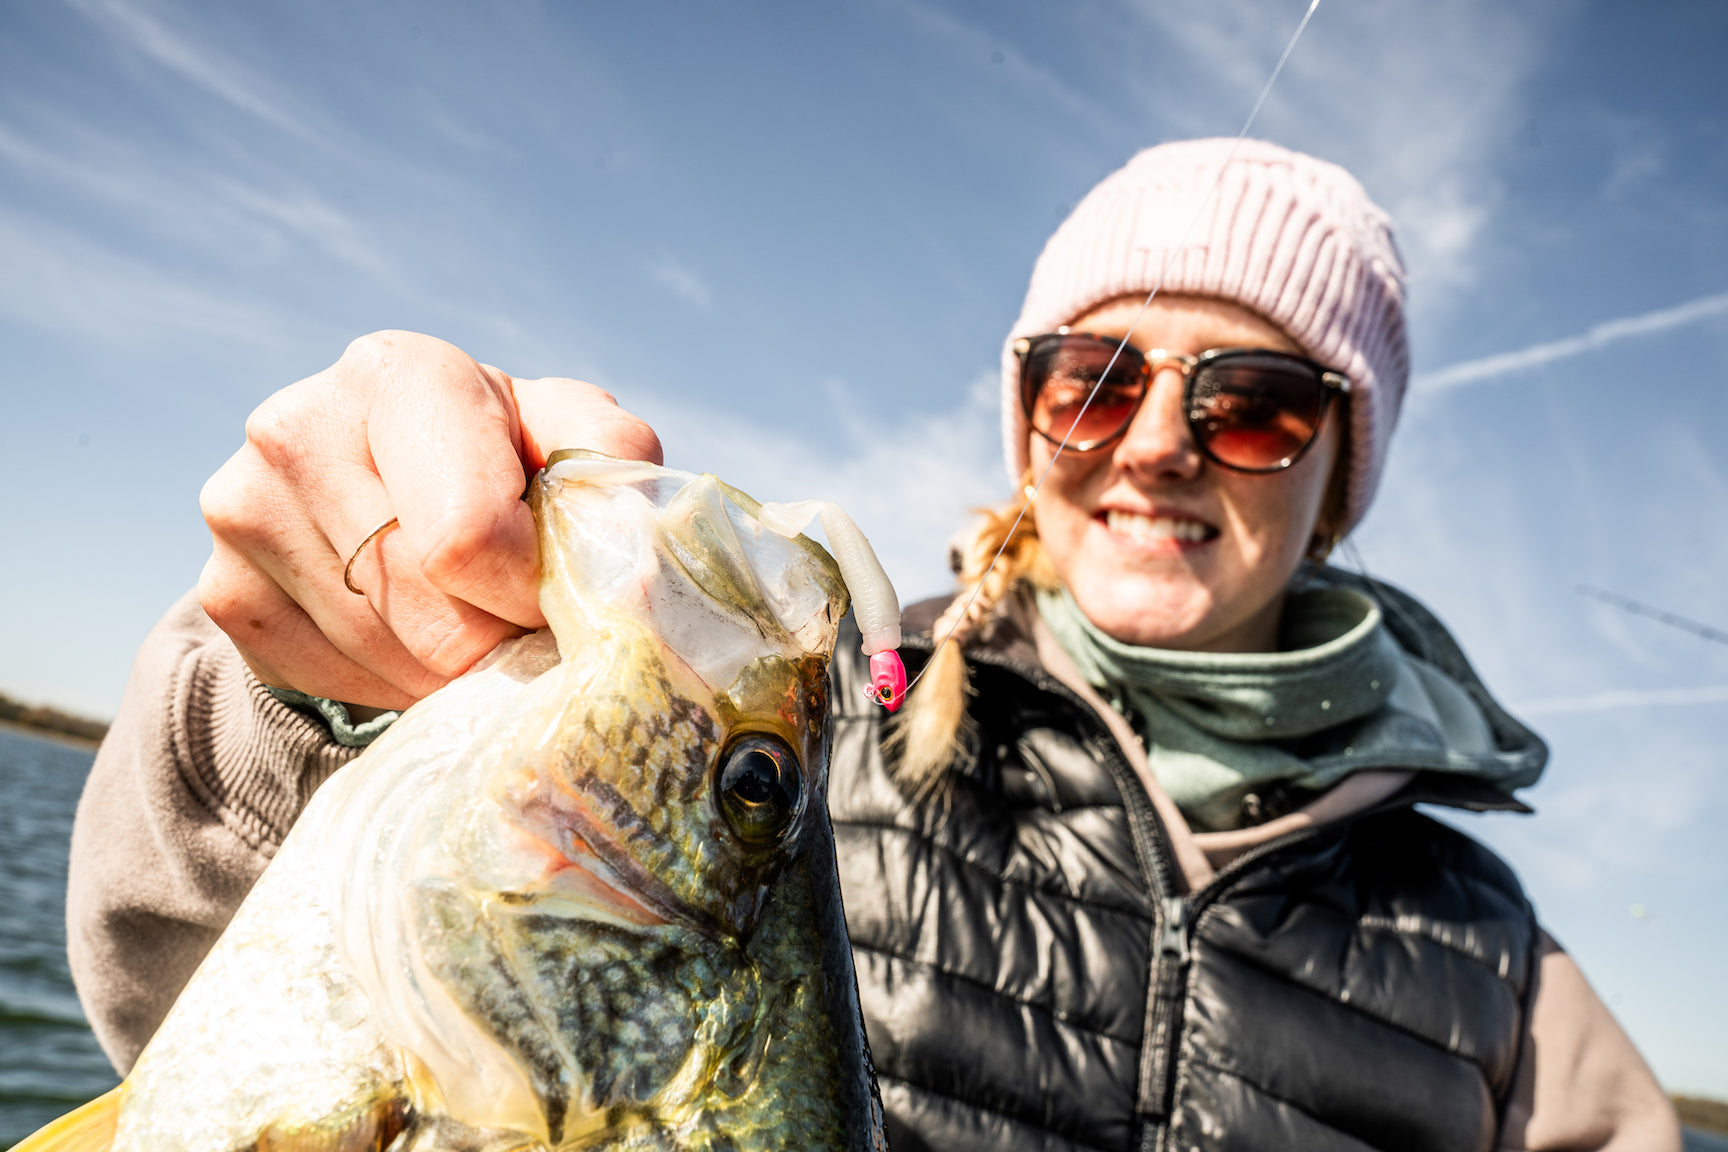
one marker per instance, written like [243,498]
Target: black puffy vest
[1031,980]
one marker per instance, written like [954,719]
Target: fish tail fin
[86,1129]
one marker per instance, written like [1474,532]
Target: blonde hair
[929,733]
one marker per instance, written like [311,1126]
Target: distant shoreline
[1702,1113]
[84,743]
[52,723]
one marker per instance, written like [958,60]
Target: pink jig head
[874,604]
[887,680]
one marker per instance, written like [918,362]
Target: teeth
[1137,527]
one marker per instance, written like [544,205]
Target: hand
[406,426]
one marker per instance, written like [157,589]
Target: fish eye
[758,787]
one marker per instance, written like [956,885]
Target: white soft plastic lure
[874,604]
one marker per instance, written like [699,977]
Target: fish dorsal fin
[86,1129]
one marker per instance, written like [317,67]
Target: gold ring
[348,571]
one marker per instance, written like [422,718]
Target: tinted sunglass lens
[1256,412]
[1062,373]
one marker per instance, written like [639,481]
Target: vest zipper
[1174,940]
[1161,1030]
[1175,915]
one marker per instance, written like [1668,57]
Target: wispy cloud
[221,216]
[682,281]
[1599,336]
[60,281]
[315,218]
[196,63]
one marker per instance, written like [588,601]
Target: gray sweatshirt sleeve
[199,779]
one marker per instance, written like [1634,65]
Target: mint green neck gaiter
[1219,726]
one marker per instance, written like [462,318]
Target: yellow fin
[86,1129]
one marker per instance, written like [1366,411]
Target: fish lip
[637,882]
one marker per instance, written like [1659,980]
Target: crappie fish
[584,897]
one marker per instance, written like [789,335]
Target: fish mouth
[589,873]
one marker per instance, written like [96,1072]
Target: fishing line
[1032,490]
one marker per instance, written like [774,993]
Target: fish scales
[582,898]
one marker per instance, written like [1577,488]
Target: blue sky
[792,237]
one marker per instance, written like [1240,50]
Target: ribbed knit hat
[1293,238]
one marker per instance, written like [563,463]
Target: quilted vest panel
[1026,982]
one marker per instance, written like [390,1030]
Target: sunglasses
[1248,409]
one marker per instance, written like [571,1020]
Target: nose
[1158,443]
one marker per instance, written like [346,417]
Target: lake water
[49,1061]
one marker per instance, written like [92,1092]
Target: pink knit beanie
[1293,238]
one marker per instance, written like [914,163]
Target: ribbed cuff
[251,759]
[335,714]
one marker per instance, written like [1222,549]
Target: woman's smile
[1157,530]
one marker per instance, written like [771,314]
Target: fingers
[284,647]
[274,585]
[445,634]
[445,440]
[558,413]
[454,460]
[402,426]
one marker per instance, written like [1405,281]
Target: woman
[1139,867]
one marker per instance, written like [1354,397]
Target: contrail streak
[1609,701]
[1599,336]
